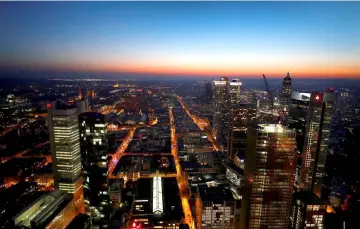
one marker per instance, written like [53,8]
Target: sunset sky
[309,39]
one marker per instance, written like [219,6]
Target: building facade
[242,118]
[235,92]
[208,90]
[318,129]
[286,92]
[40,213]
[307,211]
[93,145]
[215,207]
[297,120]
[269,179]
[221,110]
[65,147]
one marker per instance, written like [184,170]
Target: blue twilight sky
[241,38]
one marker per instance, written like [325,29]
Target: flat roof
[216,194]
[234,167]
[80,221]
[172,208]
[308,197]
[272,128]
[163,163]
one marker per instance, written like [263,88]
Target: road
[203,125]
[21,153]
[10,128]
[120,151]
[181,179]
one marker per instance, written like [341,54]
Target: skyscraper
[297,120]
[221,110]
[316,140]
[235,89]
[215,207]
[298,113]
[269,179]
[208,91]
[307,211]
[65,147]
[93,145]
[243,117]
[82,105]
[286,92]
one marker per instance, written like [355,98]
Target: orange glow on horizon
[351,71]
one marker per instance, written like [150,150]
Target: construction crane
[271,98]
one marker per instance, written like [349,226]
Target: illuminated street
[21,153]
[120,151]
[181,180]
[180,116]
[202,125]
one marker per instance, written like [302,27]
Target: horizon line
[11,70]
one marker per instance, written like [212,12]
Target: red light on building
[331,89]
[48,105]
[317,97]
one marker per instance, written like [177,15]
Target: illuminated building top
[272,128]
[157,196]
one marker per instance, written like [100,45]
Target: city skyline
[309,39]
[180,115]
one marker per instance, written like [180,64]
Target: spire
[287,76]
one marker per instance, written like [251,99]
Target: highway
[204,126]
[181,180]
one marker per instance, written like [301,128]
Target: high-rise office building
[8,107]
[82,105]
[208,90]
[65,147]
[235,89]
[221,110]
[307,211]
[286,92]
[93,145]
[269,178]
[297,120]
[298,113]
[316,140]
[243,117]
[215,207]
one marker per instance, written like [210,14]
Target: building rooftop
[14,205]
[43,210]
[308,197]
[272,128]
[80,221]
[171,201]
[217,194]
[61,105]
[92,115]
[245,106]
[233,167]
[151,163]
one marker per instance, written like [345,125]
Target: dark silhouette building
[307,211]
[93,144]
[286,92]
